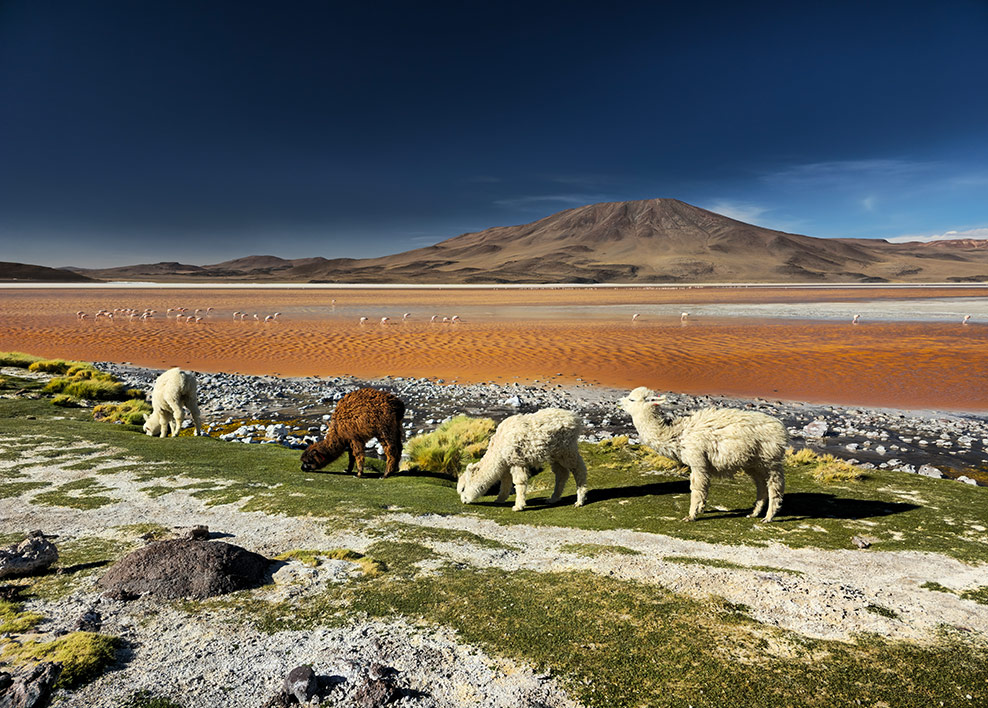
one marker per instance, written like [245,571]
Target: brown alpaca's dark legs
[392,453]
[355,453]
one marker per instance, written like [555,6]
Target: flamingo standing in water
[385,320]
[683,317]
[406,316]
[855,319]
[456,318]
[363,320]
[634,317]
[966,318]
[433,318]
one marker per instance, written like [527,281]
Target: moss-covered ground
[610,642]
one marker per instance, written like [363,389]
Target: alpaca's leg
[506,484]
[520,477]
[178,415]
[350,456]
[699,485]
[776,488]
[357,448]
[761,491]
[165,418]
[579,468]
[392,453]
[562,474]
[196,418]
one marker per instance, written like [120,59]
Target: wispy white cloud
[741,211]
[840,171]
[869,203]
[542,200]
[980,233]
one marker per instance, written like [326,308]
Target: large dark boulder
[184,568]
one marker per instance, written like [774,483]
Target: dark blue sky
[202,131]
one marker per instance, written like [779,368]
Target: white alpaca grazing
[715,442]
[173,391]
[519,448]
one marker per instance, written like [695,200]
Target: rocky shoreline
[288,411]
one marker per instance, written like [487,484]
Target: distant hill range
[654,240]
[24,272]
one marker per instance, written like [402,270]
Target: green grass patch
[147,699]
[154,532]
[433,533]
[882,611]
[15,489]
[978,594]
[313,559]
[720,563]
[592,550]
[900,511]
[64,400]
[85,493]
[450,447]
[83,655]
[12,619]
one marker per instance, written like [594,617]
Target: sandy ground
[530,334]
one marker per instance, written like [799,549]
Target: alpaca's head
[152,424]
[639,399]
[464,481]
[319,454]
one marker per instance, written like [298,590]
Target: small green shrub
[131,412]
[18,359]
[64,400]
[83,655]
[133,393]
[448,448]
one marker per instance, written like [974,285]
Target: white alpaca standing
[519,448]
[173,391]
[715,442]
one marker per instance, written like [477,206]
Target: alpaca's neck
[488,472]
[659,435]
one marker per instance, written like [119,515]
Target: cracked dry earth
[216,659]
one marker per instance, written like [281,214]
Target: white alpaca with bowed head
[519,448]
[715,442]
[173,391]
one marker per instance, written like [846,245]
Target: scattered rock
[301,683]
[862,541]
[378,689]
[816,429]
[967,480]
[32,554]
[200,531]
[91,621]
[184,568]
[930,471]
[29,688]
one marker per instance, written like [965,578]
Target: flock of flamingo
[182,314]
[179,314]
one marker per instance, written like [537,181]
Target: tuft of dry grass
[87,383]
[449,447]
[313,558]
[19,360]
[131,412]
[825,469]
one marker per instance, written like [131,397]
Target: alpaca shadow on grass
[598,495]
[806,506]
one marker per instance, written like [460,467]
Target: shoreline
[939,443]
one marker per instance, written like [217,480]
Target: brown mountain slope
[654,240]
[35,273]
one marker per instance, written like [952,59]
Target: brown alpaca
[359,416]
